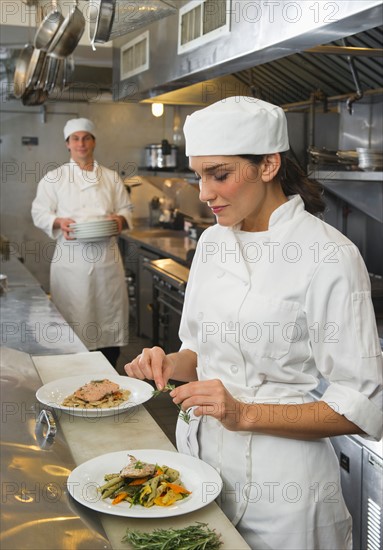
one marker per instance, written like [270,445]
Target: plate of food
[94,396]
[144,483]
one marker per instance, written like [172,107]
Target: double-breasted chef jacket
[270,313]
[87,282]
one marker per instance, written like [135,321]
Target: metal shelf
[363,190]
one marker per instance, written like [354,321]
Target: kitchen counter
[131,430]
[30,322]
[169,243]
[38,347]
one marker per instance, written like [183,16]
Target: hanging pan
[29,67]
[48,28]
[21,70]
[34,97]
[101,18]
[109,19]
[69,34]
[49,75]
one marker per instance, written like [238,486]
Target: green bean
[111,482]
[109,492]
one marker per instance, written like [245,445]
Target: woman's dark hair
[295,181]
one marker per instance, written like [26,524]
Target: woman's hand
[151,364]
[210,397]
[63,224]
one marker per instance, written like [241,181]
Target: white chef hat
[238,125]
[79,125]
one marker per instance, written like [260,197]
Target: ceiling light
[157,109]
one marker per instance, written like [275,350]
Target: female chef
[87,280]
[276,299]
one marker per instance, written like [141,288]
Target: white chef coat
[87,280]
[268,313]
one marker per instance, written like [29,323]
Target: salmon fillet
[96,390]
[137,468]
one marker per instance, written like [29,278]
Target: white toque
[238,125]
[79,125]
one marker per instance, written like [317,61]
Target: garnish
[184,415]
[194,537]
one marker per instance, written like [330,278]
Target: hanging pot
[50,73]
[109,19]
[34,97]
[48,28]
[69,34]
[68,71]
[29,67]
[35,68]
[101,18]
[21,70]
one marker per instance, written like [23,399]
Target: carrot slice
[139,481]
[178,489]
[119,498]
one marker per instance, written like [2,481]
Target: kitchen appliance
[169,285]
[361,479]
[161,156]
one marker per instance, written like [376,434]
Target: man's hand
[63,224]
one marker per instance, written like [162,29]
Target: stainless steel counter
[30,322]
[37,511]
[167,243]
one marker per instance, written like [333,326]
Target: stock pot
[161,156]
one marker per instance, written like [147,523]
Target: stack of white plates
[95,230]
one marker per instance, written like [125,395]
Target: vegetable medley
[144,484]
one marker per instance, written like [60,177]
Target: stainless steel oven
[169,284]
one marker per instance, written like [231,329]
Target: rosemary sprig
[194,537]
[184,415]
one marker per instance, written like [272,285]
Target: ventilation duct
[109,19]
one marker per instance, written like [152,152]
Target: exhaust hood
[255,33]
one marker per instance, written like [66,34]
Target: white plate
[93,239]
[98,232]
[54,393]
[87,225]
[198,477]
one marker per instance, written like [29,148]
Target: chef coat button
[199,316]
[234,369]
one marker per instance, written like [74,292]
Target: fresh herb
[138,465]
[184,415]
[168,387]
[194,537]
